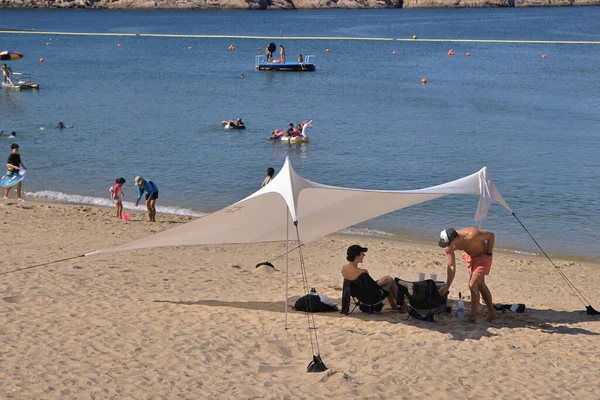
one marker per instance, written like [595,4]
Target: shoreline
[403,239]
[288,5]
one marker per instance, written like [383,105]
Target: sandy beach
[203,322]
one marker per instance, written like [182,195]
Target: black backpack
[312,303]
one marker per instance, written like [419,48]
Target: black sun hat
[355,250]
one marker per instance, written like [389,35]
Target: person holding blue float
[15,172]
[151,190]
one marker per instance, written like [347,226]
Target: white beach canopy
[271,213]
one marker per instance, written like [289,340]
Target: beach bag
[314,302]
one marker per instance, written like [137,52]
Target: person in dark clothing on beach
[13,166]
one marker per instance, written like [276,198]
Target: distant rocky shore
[286,4]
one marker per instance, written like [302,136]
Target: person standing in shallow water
[269,177]
[13,166]
[151,190]
[478,247]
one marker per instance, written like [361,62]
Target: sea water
[153,106]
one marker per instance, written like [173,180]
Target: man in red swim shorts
[478,246]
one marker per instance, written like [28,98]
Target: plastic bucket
[125,217]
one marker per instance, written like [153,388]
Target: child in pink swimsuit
[117,196]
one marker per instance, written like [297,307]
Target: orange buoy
[119,45]
[423,81]
[415,37]
[450,52]
[41,60]
[231,47]
[326,50]
[468,54]
[259,49]
[543,56]
[393,52]
[189,47]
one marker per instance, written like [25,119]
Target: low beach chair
[424,300]
[366,294]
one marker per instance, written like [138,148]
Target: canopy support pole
[316,364]
[589,309]
[287,252]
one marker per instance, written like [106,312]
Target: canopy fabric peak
[269,214]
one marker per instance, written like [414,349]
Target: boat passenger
[238,123]
[6,72]
[269,55]
[277,134]
[282,53]
[289,130]
[301,61]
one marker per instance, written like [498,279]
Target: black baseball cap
[447,236]
[355,250]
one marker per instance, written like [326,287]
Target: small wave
[366,232]
[101,202]
[525,253]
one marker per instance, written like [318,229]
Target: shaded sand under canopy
[199,322]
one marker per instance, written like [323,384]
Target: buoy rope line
[167,35]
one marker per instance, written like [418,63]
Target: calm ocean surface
[152,107]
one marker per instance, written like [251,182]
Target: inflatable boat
[233,124]
[295,137]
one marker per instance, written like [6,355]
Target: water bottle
[460,312]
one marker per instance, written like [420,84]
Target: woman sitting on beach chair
[366,293]
[360,285]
